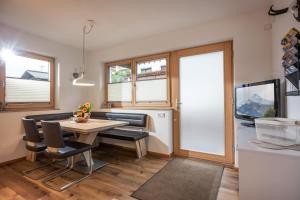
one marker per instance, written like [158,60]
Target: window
[28,81]
[119,84]
[151,80]
[140,81]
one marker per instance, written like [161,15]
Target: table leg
[83,166]
[88,139]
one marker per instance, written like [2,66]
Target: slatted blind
[151,90]
[22,91]
[119,92]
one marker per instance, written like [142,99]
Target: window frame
[28,105]
[118,103]
[134,61]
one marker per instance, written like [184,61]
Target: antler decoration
[273,12]
[296,10]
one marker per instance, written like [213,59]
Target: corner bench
[134,131]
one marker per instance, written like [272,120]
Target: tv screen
[256,100]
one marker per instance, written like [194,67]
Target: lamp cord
[84,33]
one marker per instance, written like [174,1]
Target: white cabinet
[266,174]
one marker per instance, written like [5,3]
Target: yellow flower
[78,113]
[84,109]
[87,105]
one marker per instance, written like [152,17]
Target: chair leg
[28,172]
[45,182]
[31,156]
[90,162]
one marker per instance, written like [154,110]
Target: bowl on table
[82,118]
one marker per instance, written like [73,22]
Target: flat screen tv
[255,100]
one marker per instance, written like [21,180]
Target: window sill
[136,108]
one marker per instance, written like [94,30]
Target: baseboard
[154,154]
[12,161]
[235,169]
[160,155]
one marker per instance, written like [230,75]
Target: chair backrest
[52,134]
[31,131]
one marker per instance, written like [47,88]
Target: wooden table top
[93,125]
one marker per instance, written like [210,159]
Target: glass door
[203,119]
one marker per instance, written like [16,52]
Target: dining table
[88,132]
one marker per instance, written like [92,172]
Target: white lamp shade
[81,81]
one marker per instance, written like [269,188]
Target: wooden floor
[116,181]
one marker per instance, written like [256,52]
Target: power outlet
[161,115]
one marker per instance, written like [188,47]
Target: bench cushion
[124,134]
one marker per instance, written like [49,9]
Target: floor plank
[124,174]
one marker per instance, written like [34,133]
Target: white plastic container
[278,131]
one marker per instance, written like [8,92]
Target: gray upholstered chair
[57,148]
[34,144]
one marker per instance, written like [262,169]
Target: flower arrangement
[83,112]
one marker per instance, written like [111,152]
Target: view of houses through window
[154,69]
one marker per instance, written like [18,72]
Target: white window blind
[119,92]
[151,90]
[27,80]
[20,90]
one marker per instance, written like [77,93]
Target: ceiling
[117,21]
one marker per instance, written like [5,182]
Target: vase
[83,119]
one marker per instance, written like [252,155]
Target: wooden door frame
[226,47]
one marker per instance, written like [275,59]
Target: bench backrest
[50,117]
[99,115]
[134,119]
[139,120]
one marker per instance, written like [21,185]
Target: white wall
[68,97]
[251,43]
[281,25]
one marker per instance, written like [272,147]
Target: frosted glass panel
[151,90]
[202,108]
[119,92]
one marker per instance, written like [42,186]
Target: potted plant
[83,113]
